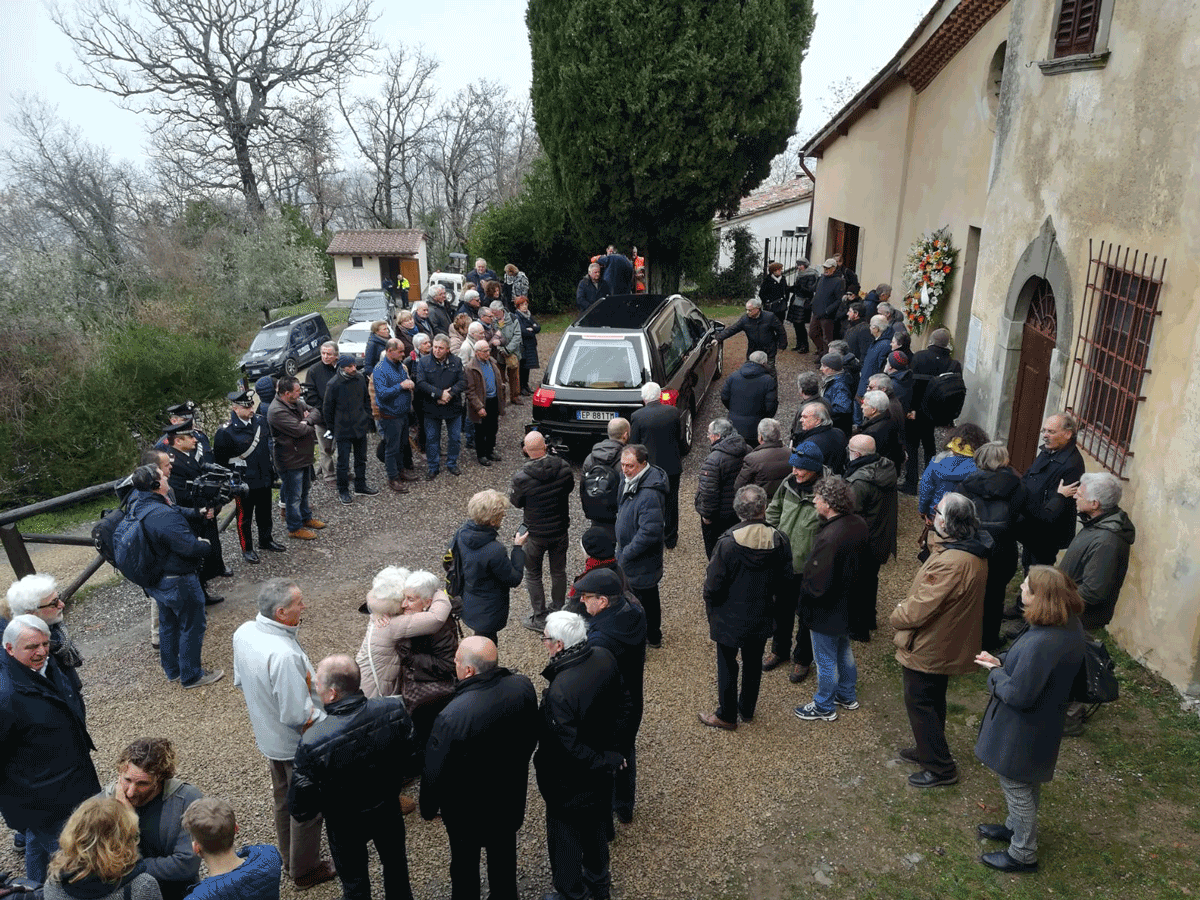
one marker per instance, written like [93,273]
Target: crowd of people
[797,524]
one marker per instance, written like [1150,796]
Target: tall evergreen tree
[656,115]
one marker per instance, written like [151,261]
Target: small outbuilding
[364,260]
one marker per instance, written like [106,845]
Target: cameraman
[181,443]
[242,444]
[179,594]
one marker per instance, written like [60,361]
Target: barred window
[1120,306]
[1078,22]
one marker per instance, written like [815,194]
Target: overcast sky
[852,39]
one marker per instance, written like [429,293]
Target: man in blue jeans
[393,395]
[180,598]
[295,436]
[831,595]
[441,384]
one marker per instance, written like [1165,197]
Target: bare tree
[391,133]
[304,171]
[218,74]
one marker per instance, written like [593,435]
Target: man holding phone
[542,488]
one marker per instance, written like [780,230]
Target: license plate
[594,415]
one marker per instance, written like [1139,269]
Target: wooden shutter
[1076,31]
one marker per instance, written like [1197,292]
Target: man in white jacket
[277,680]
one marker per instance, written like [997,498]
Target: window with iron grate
[1112,350]
[1078,22]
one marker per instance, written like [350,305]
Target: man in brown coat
[485,401]
[939,631]
[295,436]
[767,464]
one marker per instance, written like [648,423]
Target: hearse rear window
[600,361]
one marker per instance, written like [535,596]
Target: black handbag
[1097,678]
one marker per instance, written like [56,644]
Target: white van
[452,282]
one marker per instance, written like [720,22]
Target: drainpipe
[811,205]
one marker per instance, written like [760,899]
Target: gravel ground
[715,809]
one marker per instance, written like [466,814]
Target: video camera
[216,487]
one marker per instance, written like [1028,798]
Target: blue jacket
[489,572]
[640,528]
[255,879]
[750,395]
[234,438]
[837,393]
[874,361]
[617,272]
[393,400]
[46,767]
[175,545]
[942,476]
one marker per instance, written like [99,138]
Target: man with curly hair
[146,783]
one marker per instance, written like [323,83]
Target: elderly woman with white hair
[393,620]
[37,595]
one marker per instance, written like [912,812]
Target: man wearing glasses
[37,595]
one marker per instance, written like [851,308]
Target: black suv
[285,346]
[608,353]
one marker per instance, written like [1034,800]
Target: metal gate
[785,250]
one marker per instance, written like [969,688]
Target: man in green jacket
[792,512]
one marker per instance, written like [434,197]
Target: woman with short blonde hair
[489,571]
[98,849]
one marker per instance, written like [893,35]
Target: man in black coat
[826,297]
[656,426]
[750,395]
[619,626]
[315,381]
[926,365]
[763,331]
[441,386]
[182,442]
[585,715]
[591,288]
[542,488]
[878,423]
[816,425]
[618,271]
[45,747]
[347,413]
[750,570]
[243,444]
[1047,522]
[718,481]
[481,740]
[350,768]
[832,599]
[873,479]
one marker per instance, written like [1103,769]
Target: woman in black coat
[529,347]
[998,495]
[489,572]
[774,291]
[1023,723]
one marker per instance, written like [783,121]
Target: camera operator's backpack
[944,397]
[599,493]
[103,531]
[133,554]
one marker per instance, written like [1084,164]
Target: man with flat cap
[480,743]
[242,444]
[619,626]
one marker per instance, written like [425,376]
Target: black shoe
[496,457]
[433,473]
[469,445]
[453,470]
[366,490]
[910,489]
[1002,862]
[273,546]
[798,673]
[228,573]
[656,643]
[251,557]
[926,779]
[484,461]
[994,832]
[212,599]
[345,497]
[909,754]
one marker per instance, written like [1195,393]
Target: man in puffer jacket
[350,767]
[750,395]
[718,480]
[542,488]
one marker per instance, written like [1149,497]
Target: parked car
[285,346]
[353,340]
[608,353]
[452,282]
[372,306]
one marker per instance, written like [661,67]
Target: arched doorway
[1038,339]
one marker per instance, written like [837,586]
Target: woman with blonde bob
[98,856]
[1023,723]
[489,571]
[393,623]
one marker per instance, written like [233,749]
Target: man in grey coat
[278,682]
